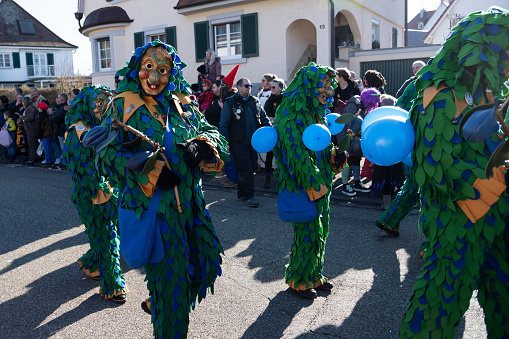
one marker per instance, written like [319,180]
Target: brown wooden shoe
[146,307]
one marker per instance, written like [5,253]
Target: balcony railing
[38,71]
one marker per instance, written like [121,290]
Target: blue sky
[58,16]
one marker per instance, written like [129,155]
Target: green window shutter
[51,59]
[394,37]
[30,59]
[170,35]
[15,60]
[201,39]
[139,39]
[249,29]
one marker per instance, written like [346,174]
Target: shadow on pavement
[22,316]
[277,316]
[55,246]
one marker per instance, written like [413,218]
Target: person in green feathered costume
[154,99]
[305,103]
[93,197]
[464,213]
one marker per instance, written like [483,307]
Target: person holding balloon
[387,179]
[353,129]
[241,116]
[277,87]
[408,196]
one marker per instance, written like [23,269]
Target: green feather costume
[303,170]
[464,214]
[192,250]
[97,206]
[408,195]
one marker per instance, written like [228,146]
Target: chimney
[421,14]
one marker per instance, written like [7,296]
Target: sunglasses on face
[273,87]
[247,85]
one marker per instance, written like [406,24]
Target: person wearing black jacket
[277,87]
[241,116]
[345,90]
[213,114]
[58,119]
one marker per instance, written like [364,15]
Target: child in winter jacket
[21,142]
[8,153]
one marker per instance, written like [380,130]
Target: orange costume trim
[490,191]
[303,286]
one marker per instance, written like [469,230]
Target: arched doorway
[347,33]
[300,45]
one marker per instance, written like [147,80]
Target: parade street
[43,293]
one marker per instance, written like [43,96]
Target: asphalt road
[43,294]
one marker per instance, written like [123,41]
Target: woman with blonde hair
[212,65]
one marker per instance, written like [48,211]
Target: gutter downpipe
[406,23]
[332,32]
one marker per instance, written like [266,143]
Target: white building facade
[263,36]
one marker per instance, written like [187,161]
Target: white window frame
[96,70]
[375,30]
[3,63]
[99,58]
[225,18]
[40,64]
[228,40]
[148,37]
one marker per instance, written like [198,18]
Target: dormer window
[420,25]
[26,27]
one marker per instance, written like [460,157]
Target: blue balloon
[332,125]
[408,160]
[388,140]
[316,137]
[264,139]
[380,112]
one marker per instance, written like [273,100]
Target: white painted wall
[274,18]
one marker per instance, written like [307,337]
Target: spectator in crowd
[416,66]
[46,133]
[74,93]
[358,82]
[374,79]
[353,130]
[9,153]
[36,97]
[345,90]
[31,128]
[17,91]
[17,108]
[213,114]
[21,142]
[4,107]
[4,102]
[202,75]
[265,92]
[242,114]
[277,86]
[212,65]
[58,120]
[370,98]
[206,96]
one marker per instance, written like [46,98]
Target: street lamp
[78,17]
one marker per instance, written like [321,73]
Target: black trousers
[244,157]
